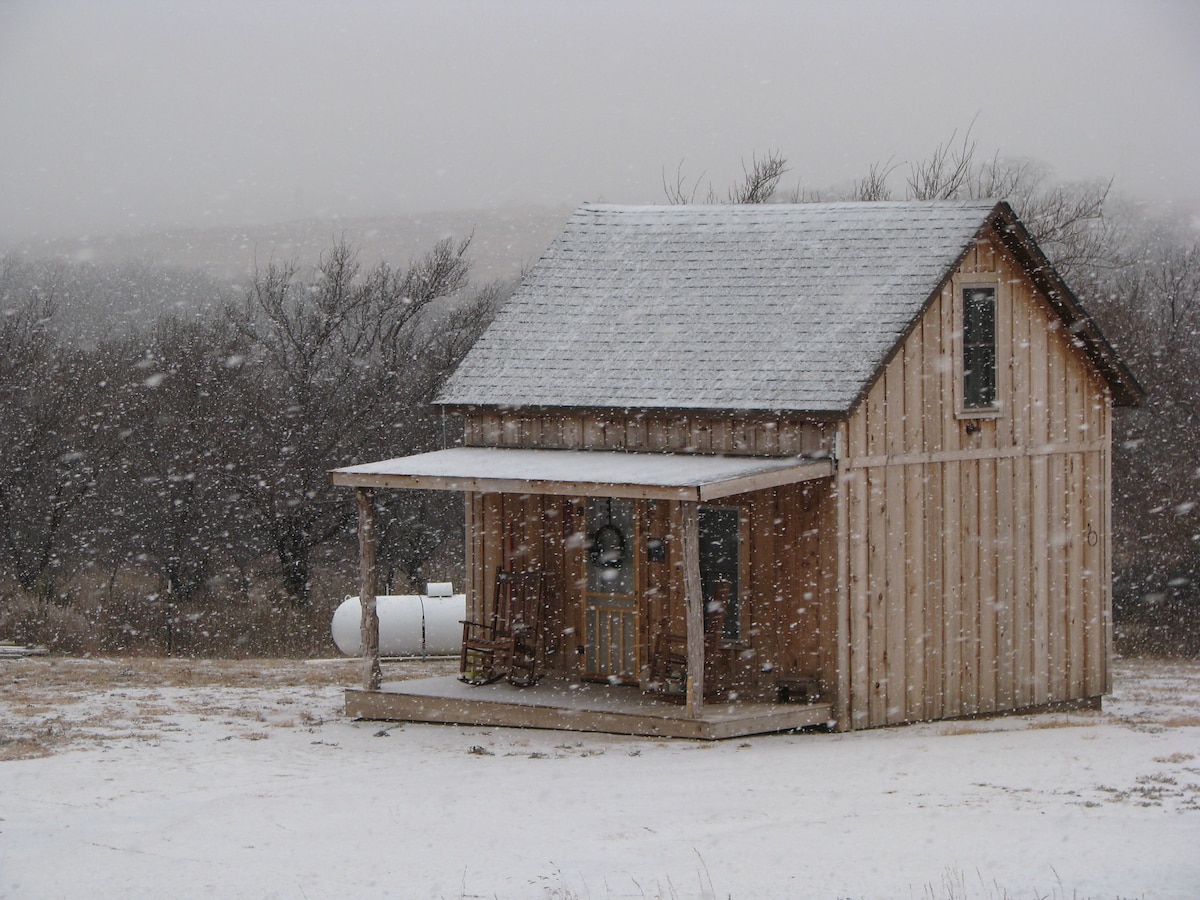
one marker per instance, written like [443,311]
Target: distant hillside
[505,241]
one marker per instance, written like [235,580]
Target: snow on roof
[606,473]
[789,307]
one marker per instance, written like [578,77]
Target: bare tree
[49,401]
[676,192]
[758,184]
[760,181]
[874,186]
[195,446]
[167,485]
[459,328]
[946,173]
[336,374]
[1067,220]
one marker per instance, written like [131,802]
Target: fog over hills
[130,115]
[503,243]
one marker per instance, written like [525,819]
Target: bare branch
[677,194]
[760,180]
[874,186]
[947,172]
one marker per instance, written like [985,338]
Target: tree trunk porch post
[693,593]
[372,675]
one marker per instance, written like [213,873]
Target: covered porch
[541,510]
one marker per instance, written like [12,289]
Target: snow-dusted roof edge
[599,473]
[1016,237]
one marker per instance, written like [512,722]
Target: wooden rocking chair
[668,659]
[509,644]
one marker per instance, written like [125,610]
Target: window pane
[720,554]
[979,347]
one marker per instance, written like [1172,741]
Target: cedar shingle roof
[757,307]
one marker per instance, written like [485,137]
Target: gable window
[979,348]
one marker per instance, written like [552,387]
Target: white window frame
[961,284]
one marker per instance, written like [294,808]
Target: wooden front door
[611,607]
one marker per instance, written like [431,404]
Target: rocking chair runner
[509,644]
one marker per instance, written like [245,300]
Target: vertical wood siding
[517,532]
[648,430]
[977,549]
[786,627]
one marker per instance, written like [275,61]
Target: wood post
[693,594]
[837,636]
[371,673]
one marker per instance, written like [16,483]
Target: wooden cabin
[842,463]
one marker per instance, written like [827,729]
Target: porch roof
[584,473]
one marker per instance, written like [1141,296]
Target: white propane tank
[409,624]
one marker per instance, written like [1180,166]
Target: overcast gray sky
[125,115]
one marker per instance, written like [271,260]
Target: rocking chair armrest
[479,627]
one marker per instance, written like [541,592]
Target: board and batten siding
[788,614]
[652,431]
[789,576]
[975,566]
[519,532]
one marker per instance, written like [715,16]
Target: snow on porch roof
[587,473]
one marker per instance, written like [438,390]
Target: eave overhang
[1126,391]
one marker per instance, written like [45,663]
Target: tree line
[186,458]
[164,476]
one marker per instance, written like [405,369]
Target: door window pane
[610,546]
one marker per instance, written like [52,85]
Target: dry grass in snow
[51,704]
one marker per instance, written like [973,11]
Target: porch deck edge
[394,706]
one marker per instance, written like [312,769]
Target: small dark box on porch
[798,689]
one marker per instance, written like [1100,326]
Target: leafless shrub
[874,186]
[32,619]
[759,182]
[946,173]
[676,192]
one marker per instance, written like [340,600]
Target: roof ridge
[740,208]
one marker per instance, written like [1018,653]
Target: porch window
[979,348]
[721,570]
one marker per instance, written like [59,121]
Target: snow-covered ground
[175,778]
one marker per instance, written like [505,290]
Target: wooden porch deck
[574,706]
